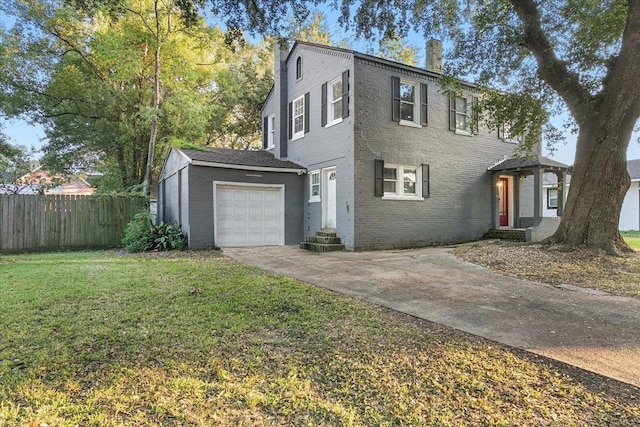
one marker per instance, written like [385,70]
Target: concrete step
[326,232]
[321,247]
[323,239]
[513,234]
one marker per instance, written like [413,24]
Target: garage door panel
[249,216]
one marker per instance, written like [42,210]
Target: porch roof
[527,164]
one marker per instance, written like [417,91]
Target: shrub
[141,235]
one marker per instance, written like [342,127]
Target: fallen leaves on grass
[551,264]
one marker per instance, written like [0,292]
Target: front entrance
[503,203]
[329,198]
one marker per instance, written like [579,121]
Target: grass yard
[109,339]
[632,238]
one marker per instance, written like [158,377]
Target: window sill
[297,136]
[333,123]
[511,141]
[406,198]
[410,124]
[463,132]
[314,200]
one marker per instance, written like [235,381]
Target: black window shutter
[323,102]
[345,94]
[501,131]
[395,100]
[379,175]
[452,113]
[476,115]
[265,132]
[306,112]
[290,120]
[423,104]
[426,190]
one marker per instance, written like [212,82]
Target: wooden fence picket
[53,222]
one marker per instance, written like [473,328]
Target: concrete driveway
[588,329]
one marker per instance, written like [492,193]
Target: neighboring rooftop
[633,167]
[227,156]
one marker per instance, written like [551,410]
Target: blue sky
[21,132]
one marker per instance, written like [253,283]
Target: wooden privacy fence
[40,223]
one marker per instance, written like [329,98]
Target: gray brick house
[362,145]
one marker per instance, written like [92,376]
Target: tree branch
[622,71]
[550,68]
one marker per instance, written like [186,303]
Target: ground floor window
[402,181]
[552,198]
[314,186]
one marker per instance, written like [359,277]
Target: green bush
[141,235]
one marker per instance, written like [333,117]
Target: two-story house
[363,146]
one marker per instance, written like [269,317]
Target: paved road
[588,329]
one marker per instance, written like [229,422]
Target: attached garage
[248,215]
[224,198]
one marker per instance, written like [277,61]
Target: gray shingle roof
[526,163]
[633,167]
[240,157]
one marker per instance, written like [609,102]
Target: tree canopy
[88,78]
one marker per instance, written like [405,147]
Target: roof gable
[239,159]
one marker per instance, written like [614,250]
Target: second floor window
[409,102]
[271,139]
[460,119]
[335,100]
[298,117]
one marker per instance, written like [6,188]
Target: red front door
[503,204]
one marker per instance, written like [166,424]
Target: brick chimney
[434,56]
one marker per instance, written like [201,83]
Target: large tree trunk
[599,183]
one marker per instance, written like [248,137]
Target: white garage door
[248,215]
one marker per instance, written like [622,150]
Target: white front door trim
[329,181]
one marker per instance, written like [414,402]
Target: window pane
[315,190]
[336,89]
[337,110]
[407,92]
[406,112]
[461,105]
[389,186]
[298,107]
[299,124]
[552,196]
[390,173]
[315,178]
[461,121]
[410,181]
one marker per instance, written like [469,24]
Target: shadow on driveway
[593,331]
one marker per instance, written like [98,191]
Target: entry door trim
[326,173]
[503,204]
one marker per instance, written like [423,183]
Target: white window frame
[312,174]
[294,115]
[467,116]
[549,190]
[416,104]
[271,128]
[399,194]
[506,135]
[331,101]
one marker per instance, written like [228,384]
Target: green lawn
[107,339]
[632,238]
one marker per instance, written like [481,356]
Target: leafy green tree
[99,94]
